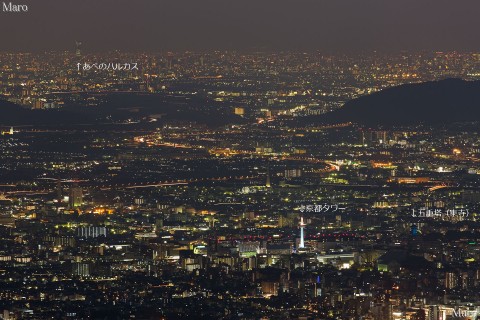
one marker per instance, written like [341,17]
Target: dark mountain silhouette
[120,107]
[438,102]
[12,114]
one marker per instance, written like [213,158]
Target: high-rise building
[169,60]
[91,232]
[76,197]
[78,48]
[82,269]
[293,173]
[451,280]
[268,183]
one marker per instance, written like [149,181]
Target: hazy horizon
[268,25]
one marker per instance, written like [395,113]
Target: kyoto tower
[302,236]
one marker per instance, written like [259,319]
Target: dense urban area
[205,185]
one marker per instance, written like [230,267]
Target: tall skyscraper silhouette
[76,197]
[78,48]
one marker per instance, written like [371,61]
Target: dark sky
[327,25]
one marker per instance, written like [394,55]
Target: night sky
[326,25]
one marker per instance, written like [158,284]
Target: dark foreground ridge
[439,102]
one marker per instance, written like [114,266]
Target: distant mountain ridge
[436,102]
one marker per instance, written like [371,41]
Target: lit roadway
[175,182]
[124,186]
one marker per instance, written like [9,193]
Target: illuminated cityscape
[240,161]
[257,214]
